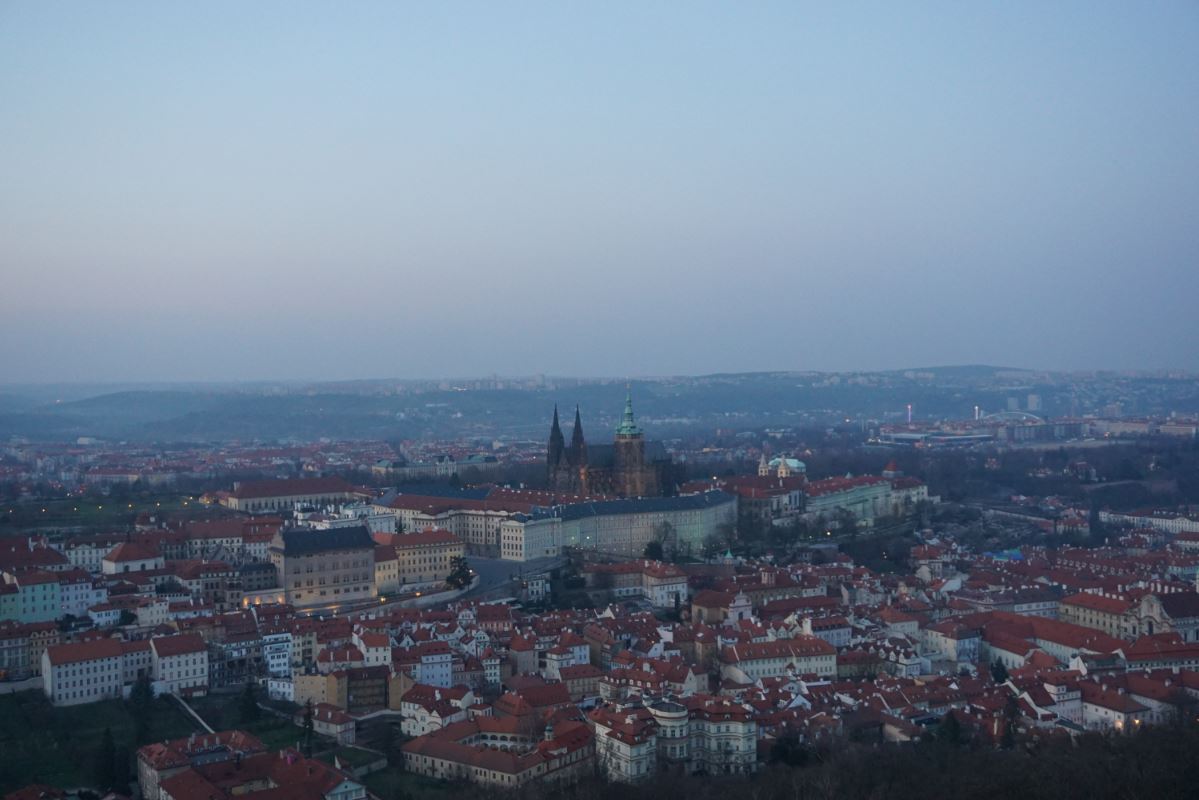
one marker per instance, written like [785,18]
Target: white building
[952,641]
[626,746]
[281,689]
[723,738]
[276,653]
[625,527]
[523,538]
[698,734]
[77,593]
[1168,522]
[426,708]
[82,672]
[752,661]
[1105,708]
[131,557]
[180,664]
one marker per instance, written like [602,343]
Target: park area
[224,712]
[63,746]
[91,512]
[66,746]
[394,783]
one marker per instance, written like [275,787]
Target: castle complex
[629,467]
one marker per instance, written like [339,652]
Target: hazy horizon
[268,381]
[291,192]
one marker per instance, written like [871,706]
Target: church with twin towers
[629,467]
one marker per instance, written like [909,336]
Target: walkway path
[192,713]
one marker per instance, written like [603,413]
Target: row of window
[93,681]
[324,593]
[336,579]
[80,694]
[87,668]
[348,564]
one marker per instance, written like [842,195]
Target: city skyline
[554,400]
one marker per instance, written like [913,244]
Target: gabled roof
[1095,602]
[76,652]
[179,752]
[1099,695]
[183,644]
[132,551]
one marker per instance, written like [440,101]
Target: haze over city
[234,191]
[599,401]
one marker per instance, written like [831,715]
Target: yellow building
[321,567]
[1107,614]
[421,559]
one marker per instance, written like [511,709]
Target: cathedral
[629,467]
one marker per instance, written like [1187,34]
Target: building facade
[324,567]
[269,496]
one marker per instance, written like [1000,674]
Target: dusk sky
[260,190]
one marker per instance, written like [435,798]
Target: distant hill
[964,372]
[669,406]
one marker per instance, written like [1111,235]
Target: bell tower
[631,477]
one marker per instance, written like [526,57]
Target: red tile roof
[132,551]
[76,652]
[250,490]
[1095,602]
[183,644]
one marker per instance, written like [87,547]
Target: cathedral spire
[576,439]
[627,426]
[578,445]
[557,442]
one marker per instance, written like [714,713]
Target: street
[496,573]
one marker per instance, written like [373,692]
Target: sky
[242,191]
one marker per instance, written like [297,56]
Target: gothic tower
[578,455]
[556,447]
[578,445]
[630,476]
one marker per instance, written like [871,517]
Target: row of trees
[111,768]
[1160,763]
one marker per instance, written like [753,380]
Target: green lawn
[92,512]
[285,706]
[223,712]
[58,746]
[393,783]
[352,756]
